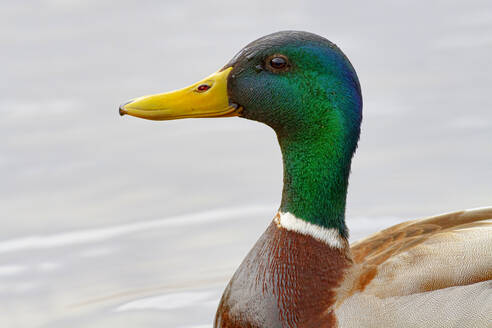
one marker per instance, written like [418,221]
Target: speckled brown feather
[287,280]
[293,280]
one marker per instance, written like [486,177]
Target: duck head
[302,86]
[289,80]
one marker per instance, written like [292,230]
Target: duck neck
[316,171]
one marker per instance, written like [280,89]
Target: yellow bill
[206,98]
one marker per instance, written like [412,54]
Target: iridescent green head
[302,86]
[296,82]
[305,88]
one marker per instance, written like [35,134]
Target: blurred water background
[121,222]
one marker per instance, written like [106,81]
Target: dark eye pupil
[278,62]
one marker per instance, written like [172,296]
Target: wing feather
[444,251]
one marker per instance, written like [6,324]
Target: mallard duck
[302,272]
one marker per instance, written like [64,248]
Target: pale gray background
[118,221]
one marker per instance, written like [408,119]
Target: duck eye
[277,62]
